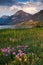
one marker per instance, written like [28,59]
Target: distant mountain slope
[38,16]
[3,19]
[21,16]
[35,20]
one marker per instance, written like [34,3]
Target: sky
[10,7]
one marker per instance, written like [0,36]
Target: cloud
[7,2]
[12,2]
[29,6]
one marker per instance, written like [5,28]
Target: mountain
[18,17]
[35,20]
[21,16]
[3,19]
[38,16]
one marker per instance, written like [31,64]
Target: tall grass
[14,37]
[32,37]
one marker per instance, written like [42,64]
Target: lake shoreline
[14,27]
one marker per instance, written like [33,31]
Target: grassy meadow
[14,37]
[31,37]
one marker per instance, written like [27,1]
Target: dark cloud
[40,1]
[12,2]
[7,2]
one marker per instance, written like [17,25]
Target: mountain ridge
[21,16]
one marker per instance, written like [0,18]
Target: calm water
[13,27]
[7,26]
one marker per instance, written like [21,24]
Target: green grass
[33,37]
[16,37]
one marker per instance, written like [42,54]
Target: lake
[13,27]
[7,26]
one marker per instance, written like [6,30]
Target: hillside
[18,17]
[21,17]
[38,16]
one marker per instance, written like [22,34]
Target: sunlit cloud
[28,6]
